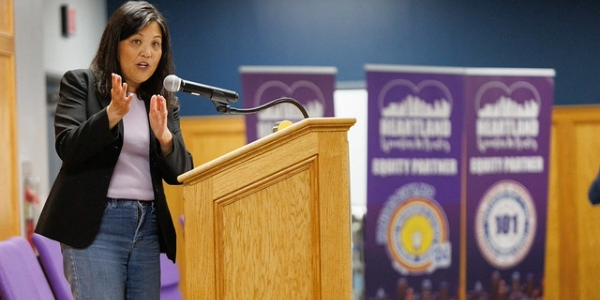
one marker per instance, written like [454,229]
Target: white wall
[77,50]
[31,94]
[352,103]
[41,51]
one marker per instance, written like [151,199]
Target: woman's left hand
[158,122]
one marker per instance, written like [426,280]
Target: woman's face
[139,55]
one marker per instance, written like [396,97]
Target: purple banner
[313,87]
[412,225]
[507,125]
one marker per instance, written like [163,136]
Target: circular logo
[416,231]
[505,224]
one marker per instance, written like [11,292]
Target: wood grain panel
[573,237]
[6,22]
[586,162]
[9,196]
[278,223]
[281,232]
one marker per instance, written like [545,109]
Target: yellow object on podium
[281,125]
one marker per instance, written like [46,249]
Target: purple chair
[52,264]
[21,276]
[51,260]
[169,279]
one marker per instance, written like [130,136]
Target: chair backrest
[169,279]
[52,264]
[21,276]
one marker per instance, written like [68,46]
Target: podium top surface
[295,130]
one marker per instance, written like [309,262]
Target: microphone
[172,83]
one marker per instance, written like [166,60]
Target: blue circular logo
[505,224]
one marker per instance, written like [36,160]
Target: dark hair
[126,21]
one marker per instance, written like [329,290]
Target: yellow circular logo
[414,228]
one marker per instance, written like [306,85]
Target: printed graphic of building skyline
[414,106]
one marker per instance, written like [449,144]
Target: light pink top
[131,178]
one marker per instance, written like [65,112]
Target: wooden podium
[271,220]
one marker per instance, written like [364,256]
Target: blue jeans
[123,262]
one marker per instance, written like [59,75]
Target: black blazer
[89,151]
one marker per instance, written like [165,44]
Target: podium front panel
[272,220]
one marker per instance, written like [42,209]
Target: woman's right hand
[119,102]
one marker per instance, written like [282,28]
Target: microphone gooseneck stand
[225,108]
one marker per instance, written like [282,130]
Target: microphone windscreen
[172,83]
